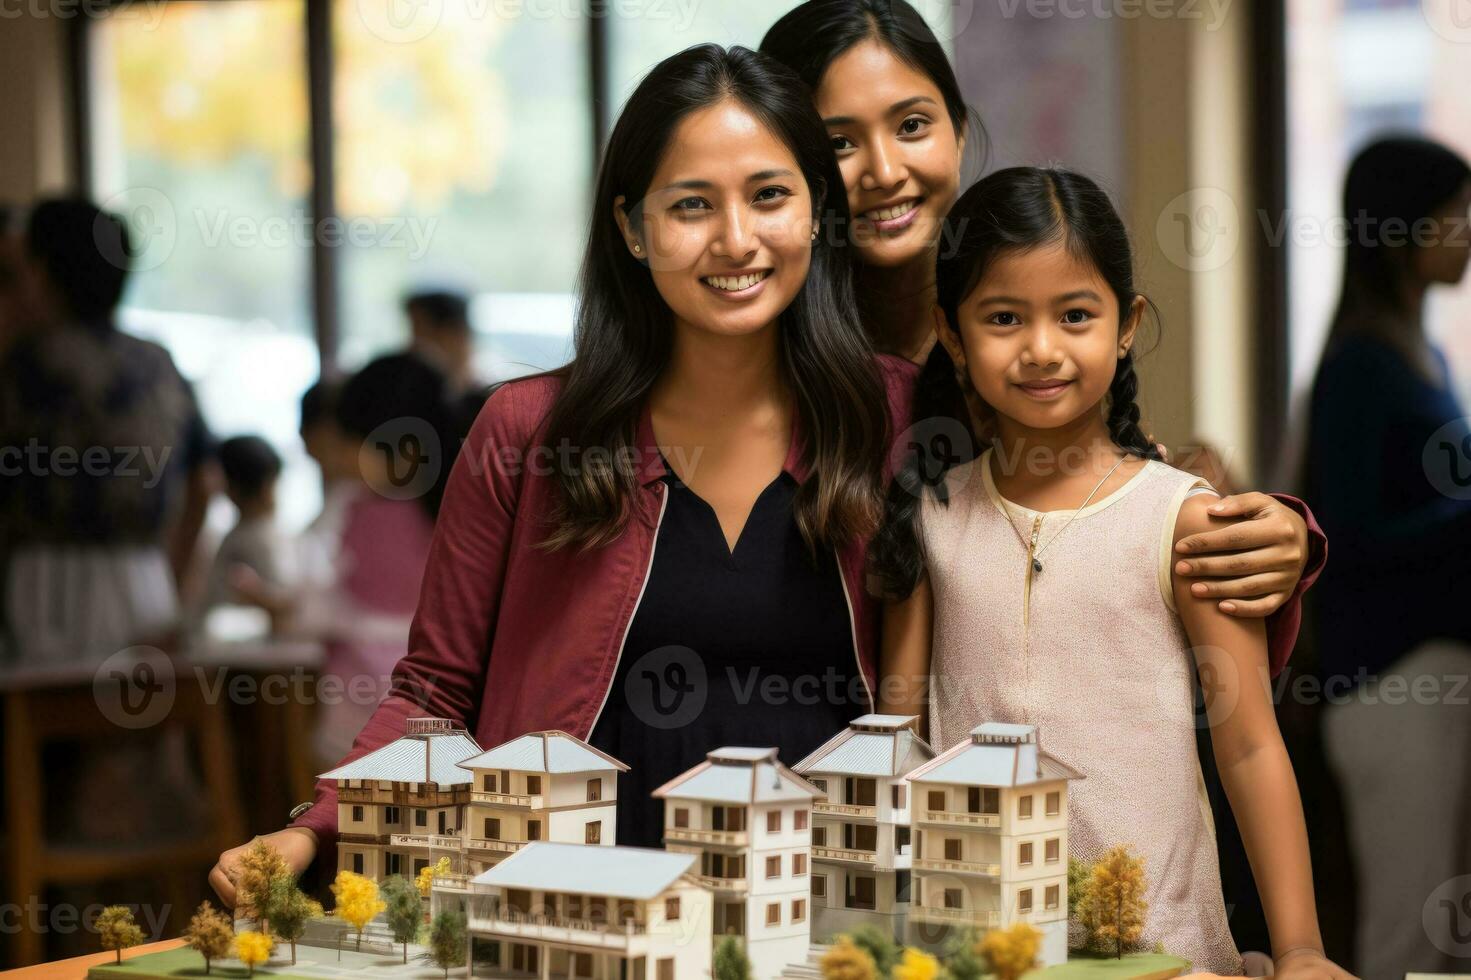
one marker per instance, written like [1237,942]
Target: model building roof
[739,775]
[549,752]
[996,754]
[589,869]
[428,753]
[873,745]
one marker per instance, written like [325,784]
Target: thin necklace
[1034,552]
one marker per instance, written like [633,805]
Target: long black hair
[1014,209]
[624,330]
[1394,180]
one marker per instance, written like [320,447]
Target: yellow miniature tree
[1112,906]
[260,866]
[210,933]
[117,930]
[253,949]
[428,873]
[1012,951]
[845,961]
[916,965]
[357,901]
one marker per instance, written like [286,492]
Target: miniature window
[593,832]
[1054,803]
[1053,849]
[1052,896]
[819,836]
[819,886]
[799,864]
[897,797]
[972,799]
[952,848]
[390,814]
[799,910]
[488,782]
[773,822]
[1024,900]
[533,830]
[671,909]
[421,818]
[1024,807]
[533,785]
[937,799]
[357,814]
[492,828]
[901,839]
[666,968]
[582,964]
[991,800]
[773,866]
[357,863]
[820,784]
[594,790]
[799,820]
[681,817]
[773,914]
[953,898]
[1024,853]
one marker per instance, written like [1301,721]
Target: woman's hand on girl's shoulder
[1251,565]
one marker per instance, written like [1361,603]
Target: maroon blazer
[533,637]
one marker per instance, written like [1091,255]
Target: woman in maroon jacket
[692,495]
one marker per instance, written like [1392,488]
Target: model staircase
[809,970]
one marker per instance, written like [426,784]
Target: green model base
[1132,966]
[312,963]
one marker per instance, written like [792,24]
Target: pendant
[1036,566]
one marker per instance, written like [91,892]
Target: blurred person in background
[440,332]
[395,417]
[1388,468]
[108,462]
[251,470]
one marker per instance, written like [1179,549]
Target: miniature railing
[486,844]
[845,809]
[427,840]
[691,835]
[500,799]
[592,928]
[844,854]
[724,884]
[988,919]
[356,795]
[452,879]
[956,817]
[362,838]
[970,867]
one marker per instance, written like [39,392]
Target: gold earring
[637,248]
[814,234]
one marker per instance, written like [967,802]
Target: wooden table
[76,968]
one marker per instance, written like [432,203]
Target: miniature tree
[1012,951]
[405,910]
[357,901]
[962,957]
[846,961]
[447,939]
[916,965]
[1112,906]
[252,949]
[117,930]
[879,945]
[289,909]
[260,865]
[210,933]
[428,873]
[731,961]
[1077,879]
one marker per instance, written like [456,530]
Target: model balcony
[579,932]
[959,867]
[453,881]
[979,918]
[850,810]
[724,886]
[435,842]
[691,835]
[956,818]
[499,846]
[515,800]
[378,839]
[845,854]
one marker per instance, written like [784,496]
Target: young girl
[1039,582]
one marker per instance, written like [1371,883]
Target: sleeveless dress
[1093,654]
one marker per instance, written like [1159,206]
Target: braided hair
[1017,208]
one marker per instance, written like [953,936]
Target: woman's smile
[739,287]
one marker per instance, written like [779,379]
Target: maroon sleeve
[442,675]
[1282,625]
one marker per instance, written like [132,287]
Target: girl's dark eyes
[690,204]
[918,125]
[764,196]
[838,141]
[1004,318]
[1076,317]
[776,193]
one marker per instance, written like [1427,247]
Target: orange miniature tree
[210,933]
[845,961]
[1012,951]
[117,930]
[1112,905]
[260,866]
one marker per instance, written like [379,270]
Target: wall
[34,75]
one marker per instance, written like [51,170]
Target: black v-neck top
[747,647]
